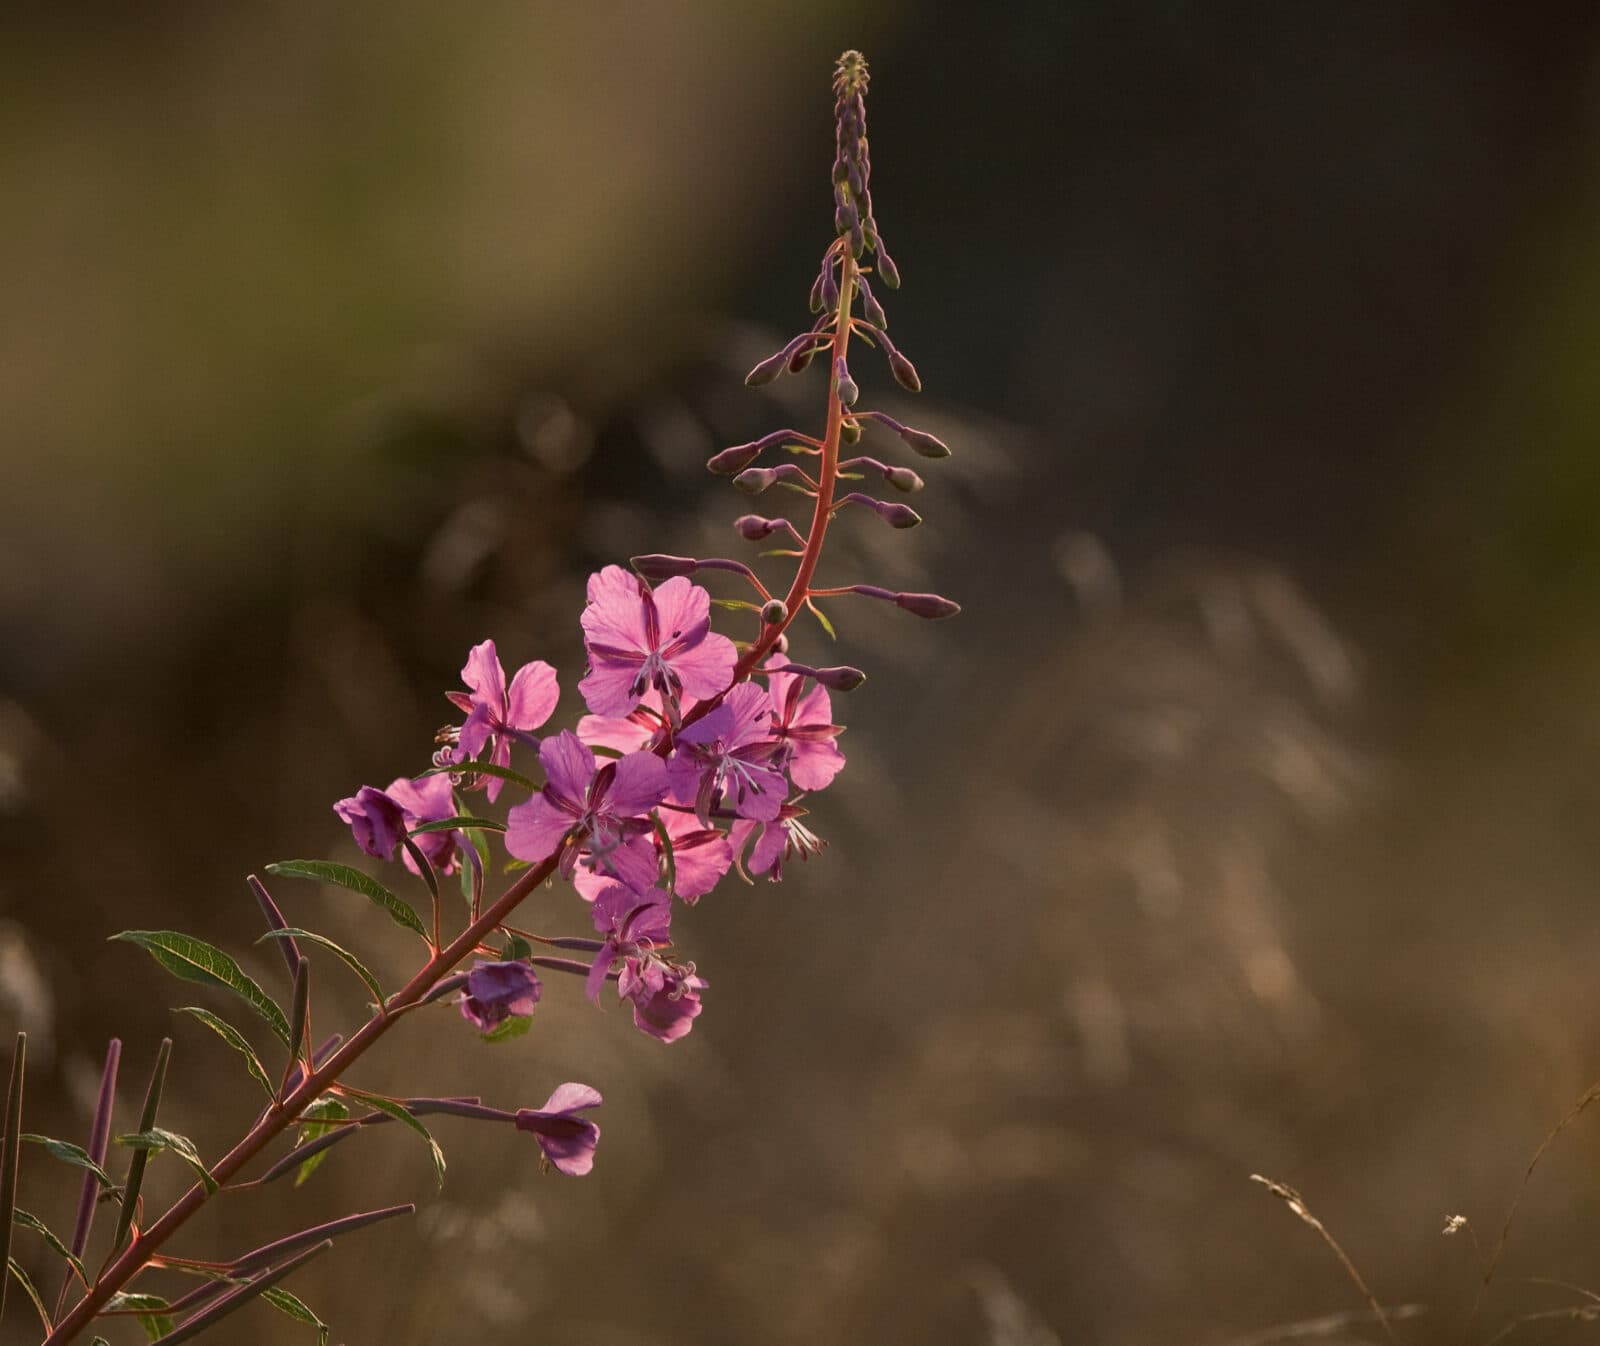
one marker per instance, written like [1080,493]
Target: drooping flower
[601,813]
[375,820]
[380,819]
[568,1141]
[637,927]
[803,718]
[498,714]
[498,991]
[639,638]
[786,838]
[730,758]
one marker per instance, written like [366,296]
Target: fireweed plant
[700,754]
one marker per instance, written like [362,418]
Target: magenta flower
[497,714]
[666,999]
[785,839]
[700,857]
[380,819]
[804,720]
[730,758]
[498,991]
[639,638]
[599,812]
[568,1141]
[634,924]
[376,821]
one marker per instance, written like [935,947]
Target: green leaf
[196,961]
[344,955]
[40,1228]
[398,1112]
[319,1117]
[10,1153]
[513,1027]
[823,619]
[32,1293]
[296,1308]
[159,1138]
[152,1311]
[472,874]
[476,768]
[516,949]
[235,1039]
[735,605]
[357,882]
[141,1158]
[461,823]
[68,1153]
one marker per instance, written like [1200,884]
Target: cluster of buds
[700,755]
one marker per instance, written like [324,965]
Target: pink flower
[497,714]
[498,991]
[804,720]
[380,819]
[665,994]
[639,638]
[700,857]
[729,758]
[787,838]
[601,813]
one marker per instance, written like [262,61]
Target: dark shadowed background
[1246,821]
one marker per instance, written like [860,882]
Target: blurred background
[1244,822]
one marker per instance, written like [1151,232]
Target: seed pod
[931,606]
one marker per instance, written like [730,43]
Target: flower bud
[775,613]
[905,373]
[903,479]
[850,430]
[848,392]
[830,286]
[801,358]
[856,180]
[897,515]
[870,306]
[752,527]
[858,238]
[754,480]
[816,294]
[841,678]
[887,269]
[927,445]
[729,461]
[773,365]
[845,219]
[658,566]
[931,606]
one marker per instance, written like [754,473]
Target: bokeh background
[1245,822]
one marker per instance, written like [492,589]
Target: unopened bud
[931,606]
[897,515]
[830,286]
[903,479]
[816,294]
[887,269]
[801,359]
[775,613]
[905,373]
[657,566]
[871,307]
[858,238]
[843,678]
[845,219]
[850,430]
[773,365]
[752,527]
[739,457]
[848,392]
[929,446]
[754,480]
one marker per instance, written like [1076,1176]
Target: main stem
[286,1111]
[282,1114]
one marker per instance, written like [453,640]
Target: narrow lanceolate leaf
[461,823]
[666,851]
[300,1016]
[344,877]
[484,769]
[296,1308]
[399,1113]
[235,1039]
[68,1153]
[99,1135]
[425,869]
[197,1323]
[822,618]
[194,960]
[31,1291]
[39,1227]
[151,1311]
[344,955]
[147,1119]
[9,1150]
[159,1138]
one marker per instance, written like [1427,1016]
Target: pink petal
[638,786]
[568,766]
[706,669]
[534,830]
[615,614]
[607,688]
[532,696]
[484,675]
